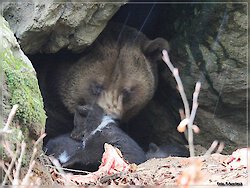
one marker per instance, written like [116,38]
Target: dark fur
[91,153]
[163,151]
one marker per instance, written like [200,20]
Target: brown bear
[122,62]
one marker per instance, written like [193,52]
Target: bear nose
[111,103]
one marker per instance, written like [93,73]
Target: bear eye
[96,89]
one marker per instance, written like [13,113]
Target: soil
[215,169]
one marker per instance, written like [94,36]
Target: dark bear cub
[99,129]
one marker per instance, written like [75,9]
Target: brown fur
[111,103]
[121,62]
[118,67]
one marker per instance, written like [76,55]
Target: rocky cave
[208,43]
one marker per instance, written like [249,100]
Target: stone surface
[49,26]
[20,85]
[211,47]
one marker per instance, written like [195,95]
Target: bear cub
[99,129]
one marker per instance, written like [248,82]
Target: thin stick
[7,148]
[10,117]
[32,161]
[28,174]
[220,147]
[182,92]
[68,169]
[13,160]
[211,149]
[174,70]
[184,100]
[5,170]
[35,149]
[19,164]
[191,119]
[56,163]
[40,139]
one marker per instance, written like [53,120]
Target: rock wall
[211,46]
[20,85]
[49,26]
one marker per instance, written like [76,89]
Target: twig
[68,169]
[32,161]
[39,139]
[220,147]
[35,149]
[213,146]
[5,170]
[192,116]
[56,163]
[7,148]
[19,164]
[25,180]
[13,160]
[211,149]
[10,117]
[189,119]
[182,92]
[175,72]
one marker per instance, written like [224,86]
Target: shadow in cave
[158,120]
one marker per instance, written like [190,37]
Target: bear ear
[153,147]
[153,48]
[83,109]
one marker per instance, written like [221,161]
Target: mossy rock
[21,84]
[23,88]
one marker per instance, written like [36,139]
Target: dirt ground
[215,169]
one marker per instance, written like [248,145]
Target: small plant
[188,118]
[192,174]
[12,169]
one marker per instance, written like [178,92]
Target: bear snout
[111,103]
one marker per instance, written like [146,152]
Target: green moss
[23,88]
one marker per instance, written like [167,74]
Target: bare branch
[68,169]
[56,163]
[10,117]
[188,120]
[220,147]
[5,170]
[28,174]
[13,160]
[19,164]
[7,148]
[192,116]
[211,149]
[182,92]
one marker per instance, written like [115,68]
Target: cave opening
[158,120]
[177,23]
